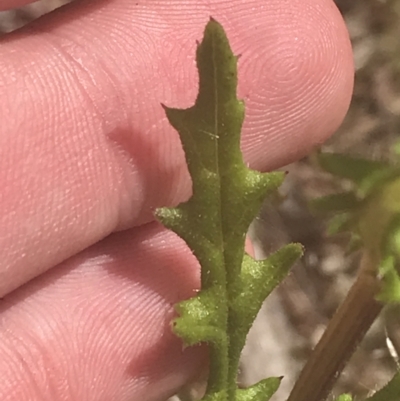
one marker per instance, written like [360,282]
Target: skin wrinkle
[76,69]
[91,322]
[23,361]
[115,167]
[36,225]
[122,137]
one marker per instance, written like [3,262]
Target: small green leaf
[340,223]
[390,392]
[357,170]
[259,278]
[261,391]
[344,397]
[355,244]
[340,202]
[227,196]
[390,281]
[199,319]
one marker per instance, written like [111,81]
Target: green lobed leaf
[372,215]
[227,196]
[259,278]
[339,223]
[358,170]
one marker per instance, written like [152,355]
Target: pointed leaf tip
[261,391]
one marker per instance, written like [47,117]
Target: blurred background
[294,317]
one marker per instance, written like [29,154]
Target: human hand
[86,152]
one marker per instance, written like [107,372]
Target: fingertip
[299,81]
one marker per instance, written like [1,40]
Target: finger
[98,326]
[85,146]
[8,4]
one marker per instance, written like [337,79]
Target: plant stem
[344,332]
